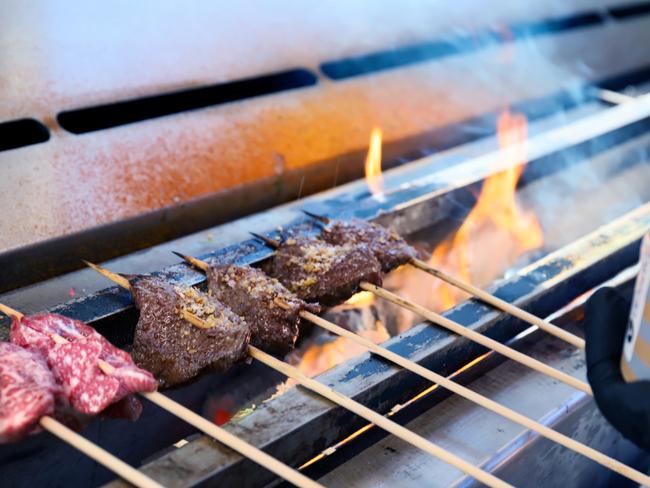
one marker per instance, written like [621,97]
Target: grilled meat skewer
[317,271]
[27,391]
[271,311]
[173,349]
[74,364]
[390,249]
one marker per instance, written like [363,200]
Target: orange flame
[497,232]
[374,178]
[323,356]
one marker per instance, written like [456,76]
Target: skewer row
[377,419]
[346,402]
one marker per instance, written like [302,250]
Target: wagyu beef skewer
[27,391]
[271,311]
[392,250]
[320,272]
[74,362]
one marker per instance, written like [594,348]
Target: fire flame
[497,232]
[493,237]
[374,177]
[321,357]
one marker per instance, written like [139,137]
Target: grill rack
[637,220]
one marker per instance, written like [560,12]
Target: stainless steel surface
[58,57]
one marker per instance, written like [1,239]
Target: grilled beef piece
[268,307]
[27,391]
[75,363]
[320,272]
[173,349]
[389,248]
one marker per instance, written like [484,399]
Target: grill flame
[374,177]
[497,232]
[495,235]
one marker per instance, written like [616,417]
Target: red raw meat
[75,365]
[27,391]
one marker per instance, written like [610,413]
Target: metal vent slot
[100,117]
[22,132]
[427,51]
[626,11]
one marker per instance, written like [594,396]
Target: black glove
[625,405]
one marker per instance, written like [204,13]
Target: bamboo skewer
[463,391]
[502,304]
[377,419]
[90,449]
[485,402]
[479,338]
[346,402]
[205,426]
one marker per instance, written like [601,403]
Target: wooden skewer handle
[119,467]
[8,311]
[480,338]
[502,305]
[377,419]
[232,441]
[485,402]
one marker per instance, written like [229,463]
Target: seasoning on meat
[320,272]
[388,246]
[173,349]
[75,363]
[27,391]
[267,306]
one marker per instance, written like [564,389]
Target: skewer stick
[454,387]
[321,218]
[205,426]
[501,304]
[93,451]
[197,263]
[377,419]
[479,338]
[232,441]
[10,312]
[114,277]
[483,401]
